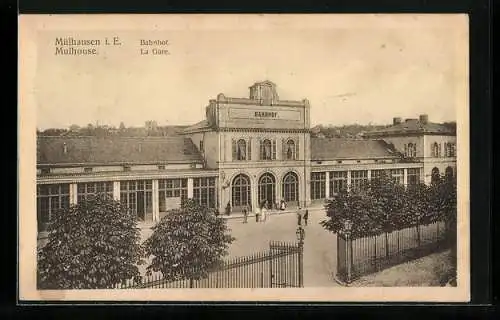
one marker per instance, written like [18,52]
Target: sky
[352,71]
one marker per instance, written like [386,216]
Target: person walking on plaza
[306,216]
[245,214]
[299,217]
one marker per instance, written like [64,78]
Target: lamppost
[347,233]
[301,234]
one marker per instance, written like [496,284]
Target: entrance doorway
[291,189]
[240,193]
[267,187]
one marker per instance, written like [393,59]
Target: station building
[245,152]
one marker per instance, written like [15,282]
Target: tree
[92,245]
[188,243]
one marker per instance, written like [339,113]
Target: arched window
[240,192]
[448,173]
[267,187]
[266,150]
[291,187]
[435,175]
[241,150]
[290,150]
[436,150]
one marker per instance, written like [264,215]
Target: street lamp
[301,234]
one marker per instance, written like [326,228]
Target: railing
[280,266]
[362,256]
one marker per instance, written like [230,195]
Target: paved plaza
[319,245]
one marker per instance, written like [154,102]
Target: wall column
[73,193]
[116,190]
[156,202]
[254,194]
[327,184]
[190,188]
[405,177]
[348,180]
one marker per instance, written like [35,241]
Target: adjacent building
[246,152]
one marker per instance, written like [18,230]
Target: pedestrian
[245,214]
[306,216]
[228,209]
[257,215]
[299,217]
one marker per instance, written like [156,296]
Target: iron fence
[362,256]
[280,266]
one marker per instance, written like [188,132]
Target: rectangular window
[318,185]
[137,195]
[397,176]
[161,167]
[202,147]
[171,188]
[359,179]
[204,191]
[375,174]
[126,168]
[45,170]
[50,197]
[87,170]
[338,181]
[413,176]
[86,189]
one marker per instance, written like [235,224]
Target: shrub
[91,245]
[188,243]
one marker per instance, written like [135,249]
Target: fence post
[418,233]
[301,264]
[348,257]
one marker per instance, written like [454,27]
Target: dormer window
[339,161]
[161,167]
[87,170]
[127,168]
[45,170]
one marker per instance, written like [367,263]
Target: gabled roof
[333,149]
[412,126]
[116,150]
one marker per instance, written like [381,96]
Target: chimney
[396,121]
[424,119]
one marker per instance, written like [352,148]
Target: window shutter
[283,149]
[235,150]
[297,149]
[273,157]
[249,149]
